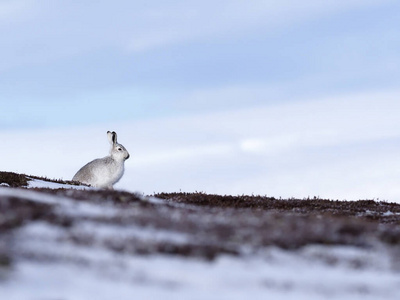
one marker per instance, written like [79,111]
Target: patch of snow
[390,213]
[154,200]
[122,232]
[4,184]
[67,205]
[36,183]
[29,195]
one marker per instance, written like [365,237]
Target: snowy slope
[88,249]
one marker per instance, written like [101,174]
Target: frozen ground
[89,244]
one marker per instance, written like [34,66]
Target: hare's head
[117,151]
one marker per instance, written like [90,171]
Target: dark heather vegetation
[197,224]
[21,180]
[13,179]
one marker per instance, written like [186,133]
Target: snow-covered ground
[37,183]
[46,265]
[276,274]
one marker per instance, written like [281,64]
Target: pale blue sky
[288,97]
[69,63]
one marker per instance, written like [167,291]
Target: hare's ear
[112,137]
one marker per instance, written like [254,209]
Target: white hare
[105,172]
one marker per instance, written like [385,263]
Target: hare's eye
[119,149]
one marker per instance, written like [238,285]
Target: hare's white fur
[105,172]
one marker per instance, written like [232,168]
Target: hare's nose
[128,156]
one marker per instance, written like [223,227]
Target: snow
[278,274]
[120,232]
[64,204]
[390,213]
[37,183]
[63,270]
[29,195]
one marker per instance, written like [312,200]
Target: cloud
[160,26]
[339,147]
[15,9]
[69,46]
[333,147]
